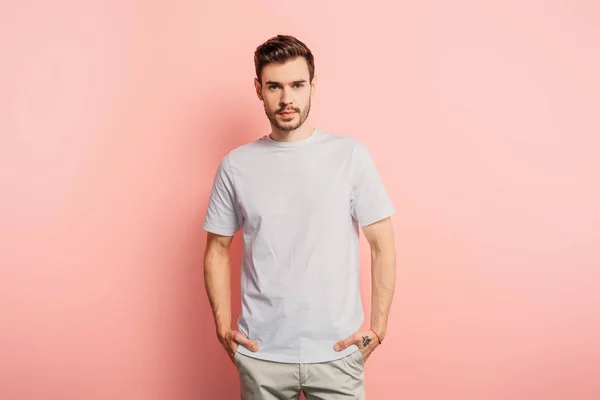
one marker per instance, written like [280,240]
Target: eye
[273,87]
[298,85]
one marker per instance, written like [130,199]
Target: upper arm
[223,216]
[369,201]
[380,235]
[219,243]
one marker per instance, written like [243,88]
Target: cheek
[271,102]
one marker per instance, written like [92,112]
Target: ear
[313,85]
[257,87]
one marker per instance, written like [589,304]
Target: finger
[233,348]
[244,341]
[342,344]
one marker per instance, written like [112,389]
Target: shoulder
[342,142]
[241,155]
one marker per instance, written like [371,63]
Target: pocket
[236,356]
[359,358]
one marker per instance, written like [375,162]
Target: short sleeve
[369,201]
[223,216]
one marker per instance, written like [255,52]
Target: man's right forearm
[217,279]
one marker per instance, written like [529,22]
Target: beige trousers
[268,380]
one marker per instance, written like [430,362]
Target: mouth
[287,113]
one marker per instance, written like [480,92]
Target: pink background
[484,121]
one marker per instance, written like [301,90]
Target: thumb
[342,344]
[244,341]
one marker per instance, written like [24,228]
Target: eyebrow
[279,83]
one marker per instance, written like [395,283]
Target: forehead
[286,72]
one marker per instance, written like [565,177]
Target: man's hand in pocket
[365,340]
[231,339]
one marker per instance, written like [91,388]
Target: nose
[286,97]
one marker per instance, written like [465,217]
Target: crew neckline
[296,143]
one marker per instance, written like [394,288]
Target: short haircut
[282,48]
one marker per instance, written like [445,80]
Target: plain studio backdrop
[483,118]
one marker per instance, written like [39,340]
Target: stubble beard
[287,126]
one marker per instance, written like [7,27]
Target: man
[300,195]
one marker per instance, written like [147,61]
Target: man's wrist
[379,333]
[222,330]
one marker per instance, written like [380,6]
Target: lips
[288,113]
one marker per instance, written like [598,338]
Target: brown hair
[282,48]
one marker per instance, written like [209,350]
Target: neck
[301,133]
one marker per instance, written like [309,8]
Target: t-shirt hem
[298,359]
[219,230]
[375,218]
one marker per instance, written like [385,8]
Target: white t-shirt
[299,205]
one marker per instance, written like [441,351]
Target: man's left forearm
[383,283]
